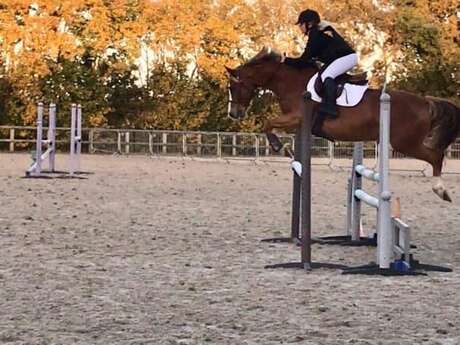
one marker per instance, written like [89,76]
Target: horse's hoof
[446,196]
[274,141]
[442,193]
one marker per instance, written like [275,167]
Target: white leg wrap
[440,189]
[438,185]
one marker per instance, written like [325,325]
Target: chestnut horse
[421,127]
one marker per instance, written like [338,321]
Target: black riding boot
[328,106]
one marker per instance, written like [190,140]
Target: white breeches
[340,66]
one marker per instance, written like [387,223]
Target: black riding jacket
[324,44]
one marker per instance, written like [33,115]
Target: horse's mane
[265,55]
[269,55]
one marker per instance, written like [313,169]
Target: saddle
[341,80]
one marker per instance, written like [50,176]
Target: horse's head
[247,78]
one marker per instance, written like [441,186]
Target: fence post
[256,145]
[91,140]
[184,144]
[234,141]
[119,142]
[11,139]
[219,146]
[127,143]
[151,143]
[267,147]
[164,141]
[198,148]
[331,151]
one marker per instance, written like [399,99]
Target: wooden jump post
[301,196]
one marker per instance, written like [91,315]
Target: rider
[327,46]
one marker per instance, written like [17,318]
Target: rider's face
[303,28]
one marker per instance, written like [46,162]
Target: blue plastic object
[400,266]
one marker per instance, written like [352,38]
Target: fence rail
[184,143]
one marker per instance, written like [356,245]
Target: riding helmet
[308,16]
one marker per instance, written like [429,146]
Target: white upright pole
[78,139]
[38,149]
[385,233]
[356,183]
[52,137]
[73,117]
[349,201]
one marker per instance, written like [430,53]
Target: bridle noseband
[230,96]
[239,81]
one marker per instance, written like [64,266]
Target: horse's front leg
[285,122]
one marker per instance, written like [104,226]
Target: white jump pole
[52,136]
[38,149]
[393,235]
[73,119]
[73,115]
[357,183]
[384,234]
[78,138]
[75,138]
[36,168]
[383,203]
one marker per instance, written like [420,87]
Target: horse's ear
[232,73]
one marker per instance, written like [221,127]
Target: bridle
[230,96]
[230,101]
[238,81]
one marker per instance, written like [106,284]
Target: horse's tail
[445,121]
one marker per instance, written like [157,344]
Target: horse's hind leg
[435,158]
[438,186]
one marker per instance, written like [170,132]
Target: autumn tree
[429,33]
[161,63]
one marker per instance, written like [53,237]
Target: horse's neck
[288,84]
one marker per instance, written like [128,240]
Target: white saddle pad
[351,95]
